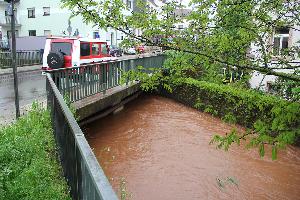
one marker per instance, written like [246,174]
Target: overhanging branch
[149,42]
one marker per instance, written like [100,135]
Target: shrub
[29,168]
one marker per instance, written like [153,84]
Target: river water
[160,148]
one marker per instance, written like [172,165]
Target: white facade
[5,24]
[47,17]
[56,23]
[262,81]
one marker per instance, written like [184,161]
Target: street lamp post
[14,56]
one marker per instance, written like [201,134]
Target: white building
[47,17]
[5,23]
[282,38]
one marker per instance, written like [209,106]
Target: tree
[219,32]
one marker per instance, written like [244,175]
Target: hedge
[252,109]
[29,168]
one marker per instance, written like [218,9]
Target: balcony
[4,44]
[7,21]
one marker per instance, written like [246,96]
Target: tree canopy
[218,32]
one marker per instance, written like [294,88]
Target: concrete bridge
[95,91]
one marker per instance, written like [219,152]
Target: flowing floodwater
[161,149]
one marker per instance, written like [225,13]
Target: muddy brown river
[160,148]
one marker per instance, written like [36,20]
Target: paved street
[31,87]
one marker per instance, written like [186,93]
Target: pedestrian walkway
[11,117]
[23,72]
[31,88]
[8,71]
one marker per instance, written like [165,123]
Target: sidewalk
[6,75]
[20,69]
[6,119]
[30,81]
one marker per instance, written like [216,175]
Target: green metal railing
[24,58]
[82,171]
[87,80]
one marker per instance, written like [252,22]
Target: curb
[20,69]
[6,77]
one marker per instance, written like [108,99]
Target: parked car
[64,52]
[115,51]
[140,49]
[130,50]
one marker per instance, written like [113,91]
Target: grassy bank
[29,168]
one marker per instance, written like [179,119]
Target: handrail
[81,82]
[23,58]
[107,62]
[81,168]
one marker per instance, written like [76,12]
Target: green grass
[29,168]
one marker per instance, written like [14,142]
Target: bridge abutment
[100,105]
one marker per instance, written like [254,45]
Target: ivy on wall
[269,119]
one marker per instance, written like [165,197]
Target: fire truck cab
[67,52]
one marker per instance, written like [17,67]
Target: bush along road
[29,166]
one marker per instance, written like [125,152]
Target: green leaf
[274,152]
[262,150]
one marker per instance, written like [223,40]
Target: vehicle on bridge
[115,51]
[67,52]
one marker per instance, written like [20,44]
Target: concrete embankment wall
[102,104]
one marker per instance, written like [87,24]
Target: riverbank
[28,159]
[264,114]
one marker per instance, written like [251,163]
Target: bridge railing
[90,79]
[80,166]
[24,58]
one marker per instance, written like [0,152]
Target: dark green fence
[87,80]
[24,58]
[80,166]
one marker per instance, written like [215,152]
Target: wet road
[32,86]
[161,149]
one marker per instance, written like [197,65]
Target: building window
[180,26]
[122,37]
[46,11]
[32,32]
[31,12]
[281,40]
[96,35]
[129,4]
[47,32]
